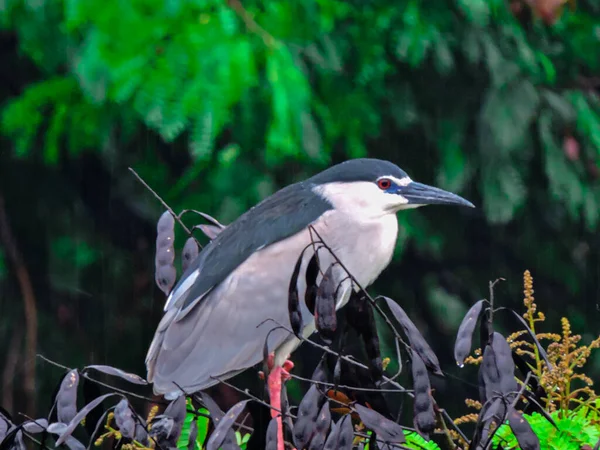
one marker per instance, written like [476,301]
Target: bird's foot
[287,367]
[277,376]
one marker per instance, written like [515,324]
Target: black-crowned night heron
[211,329]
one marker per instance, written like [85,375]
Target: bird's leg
[277,376]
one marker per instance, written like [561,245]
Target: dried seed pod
[295,314]
[218,436]
[35,426]
[124,419]
[308,412]
[416,339]
[18,442]
[489,411]
[72,443]
[176,411]
[4,426]
[321,428]
[319,375]
[312,272]
[386,430]
[193,435]
[464,337]
[66,399]
[486,328]
[522,430]
[325,314]
[216,415]
[190,253]
[489,372]
[165,273]
[271,440]
[75,421]
[108,370]
[341,436]
[337,372]
[424,419]
[210,231]
[505,365]
[359,314]
[162,431]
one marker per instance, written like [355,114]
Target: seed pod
[75,421]
[295,314]
[341,436]
[522,430]
[218,436]
[424,419]
[216,415]
[193,435]
[486,328]
[162,431]
[321,428]
[489,412]
[190,253]
[325,314]
[505,365]
[130,377]
[319,375]
[165,273]
[386,430]
[308,412]
[210,231]
[312,272]
[124,419]
[337,372]
[416,339]
[464,337]
[489,372]
[177,411]
[4,425]
[271,440]
[66,399]
[58,428]
[35,426]
[359,314]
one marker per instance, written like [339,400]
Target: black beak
[421,194]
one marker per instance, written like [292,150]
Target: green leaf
[508,113]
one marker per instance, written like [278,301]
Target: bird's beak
[421,194]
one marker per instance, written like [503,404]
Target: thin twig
[362,289]
[252,396]
[250,23]
[341,356]
[167,207]
[353,388]
[108,386]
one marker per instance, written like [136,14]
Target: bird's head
[377,187]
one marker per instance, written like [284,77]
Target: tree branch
[29,303]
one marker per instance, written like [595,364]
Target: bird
[216,318]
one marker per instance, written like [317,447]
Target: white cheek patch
[402,181]
[401,199]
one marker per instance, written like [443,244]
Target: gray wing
[210,324]
[279,216]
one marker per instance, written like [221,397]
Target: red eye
[384,184]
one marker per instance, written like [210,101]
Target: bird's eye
[384,183]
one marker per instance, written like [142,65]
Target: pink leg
[277,376]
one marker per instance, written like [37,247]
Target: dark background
[217,105]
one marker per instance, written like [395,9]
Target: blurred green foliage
[218,103]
